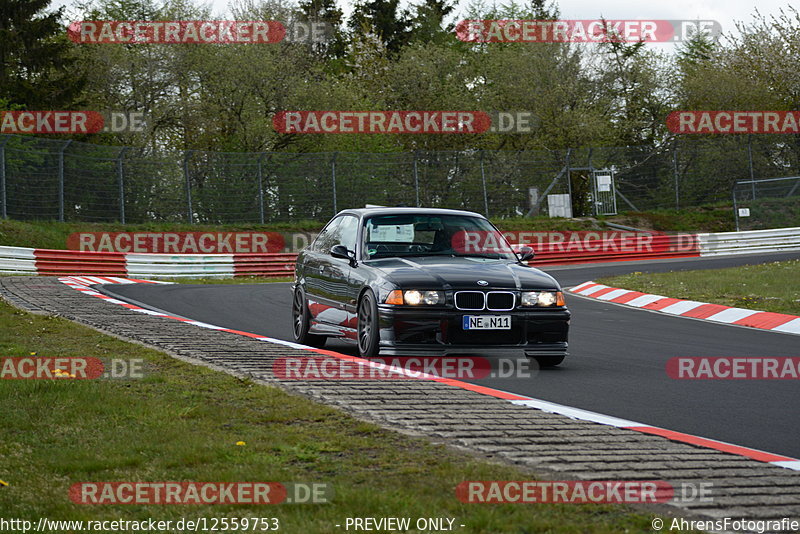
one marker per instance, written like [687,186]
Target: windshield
[433,235]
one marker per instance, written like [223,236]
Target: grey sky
[726,12]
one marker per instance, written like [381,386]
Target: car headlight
[542,298]
[414,297]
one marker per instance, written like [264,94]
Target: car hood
[461,273]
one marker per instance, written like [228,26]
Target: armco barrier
[753,241]
[626,247]
[17,260]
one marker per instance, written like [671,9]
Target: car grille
[500,301]
[470,300]
[478,300]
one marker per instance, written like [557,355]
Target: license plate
[487,322]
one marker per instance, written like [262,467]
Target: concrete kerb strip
[716,313]
[567,445]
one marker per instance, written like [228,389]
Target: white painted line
[792,327]
[644,300]
[794,465]
[206,325]
[149,312]
[681,307]
[731,315]
[577,413]
[286,343]
[613,294]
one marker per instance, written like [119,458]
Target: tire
[549,361]
[301,322]
[368,329]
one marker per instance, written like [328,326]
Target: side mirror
[340,251]
[525,253]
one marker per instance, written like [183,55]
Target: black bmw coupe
[425,282]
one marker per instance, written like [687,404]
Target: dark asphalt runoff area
[617,355]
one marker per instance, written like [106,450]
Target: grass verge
[182,422]
[772,287]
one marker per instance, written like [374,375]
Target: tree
[328,12]
[384,19]
[36,59]
[428,23]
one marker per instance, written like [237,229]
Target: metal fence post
[416,178]
[750,158]
[61,179]
[186,157]
[675,171]
[333,182]
[3,200]
[121,182]
[485,196]
[569,177]
[261,188]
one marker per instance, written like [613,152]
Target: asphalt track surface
[617,356]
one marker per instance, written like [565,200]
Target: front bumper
[537,332]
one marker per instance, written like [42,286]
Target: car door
[357,272]
[329,289]
[316,271]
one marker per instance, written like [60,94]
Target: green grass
[716,218]
[772,287]
[183,422]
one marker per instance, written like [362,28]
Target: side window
[348,232]
[328,237]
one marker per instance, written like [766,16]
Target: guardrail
[749,242]
[18,260]
[627,247]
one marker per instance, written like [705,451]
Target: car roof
[370,212]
